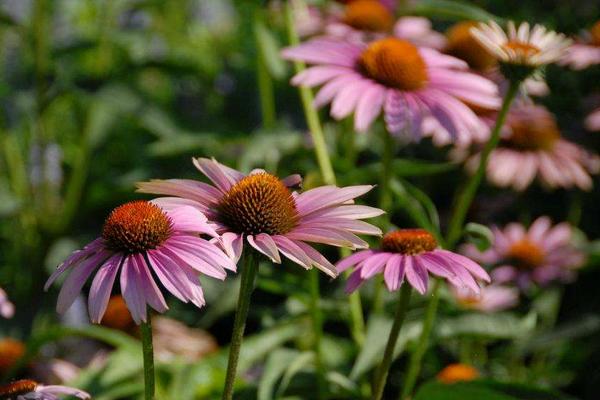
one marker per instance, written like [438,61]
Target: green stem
[312,117]
[387,158]
[468,194]
[317,321]
[148,352]
[249,271]
[265,84]
[388,355]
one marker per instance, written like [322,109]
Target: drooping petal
[102,286]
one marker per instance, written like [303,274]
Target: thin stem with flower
[148,354]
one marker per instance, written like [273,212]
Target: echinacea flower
[521,50]
[592,122]
[27,389]
[541,254]
[418,31]
[11,351]
[531,147]
[412,254]
[392,75]
[585,52]
[260,209]
[7,309]
[141,241]
[490,299]
[457,373]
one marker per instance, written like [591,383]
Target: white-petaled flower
[522,45]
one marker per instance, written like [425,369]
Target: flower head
[141,240]
[592,122]
[260,209]
[462,44]
[7,309]
[541,254]
[586,51]
[392,75]
[521,50]
[11,351]
[532,147]
[27,389]
[457,373]
[491,298]
[411,253]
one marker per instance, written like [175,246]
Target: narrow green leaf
[269,50]
[480,235]
[451,10]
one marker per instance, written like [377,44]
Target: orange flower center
[523,50]
[136,227]
[259,203]
[117,315]
[17,388]
[532,132]
[526,254]
[462,44]
[395,63]
[595,33]
[368,15]
[408,241]
[457,373]
[11,351]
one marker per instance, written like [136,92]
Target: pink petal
[101,288]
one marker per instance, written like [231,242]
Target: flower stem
[387,158]
[468,194]
[148,352]
[265,81]
[414,366]
[317,321]
[249,271]
[384,367]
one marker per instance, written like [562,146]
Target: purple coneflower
[412,254]
[586,51]
[541,254]
[27,389]
[7,309]
[393,75]
[492,298]
[141,240]
[260,209]
[531,146]
[592,122]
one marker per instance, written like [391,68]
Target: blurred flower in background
[7,309]
[586,51]
[457,373]
[492,298]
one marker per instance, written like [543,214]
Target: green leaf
[480,235]
[301,362]
[451,10]
[417,205]
[276,365]
[485,389]
[269,50]
[489,326]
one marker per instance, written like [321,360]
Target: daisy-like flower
[141,240]
[412,254]
[521,50]
[492,298]
[408,83]
[27,389]
[541,254]
[457,373]
[592,122]
[586,51]
[260,209]
[532,147]
[7,309]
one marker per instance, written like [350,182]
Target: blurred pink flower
[141,240]
[541,254]
[411,253]
[586,52]
[7,309]
[391,75]
[260,208]
[592,122]
[490,299]
[419,31]
[30,390]
[532,147]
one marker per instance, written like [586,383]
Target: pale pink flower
[492,298]
[7,309]
[391,75]
[586,52]
[141,241]
[260,209]
[412,254]
[532,147]
[592,122]
[419,31]
[30,390]
[541,254]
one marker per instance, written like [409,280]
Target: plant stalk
[148,354]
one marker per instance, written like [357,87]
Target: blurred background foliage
[98,94]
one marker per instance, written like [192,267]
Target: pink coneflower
[586,52]
[592,122]
[27,389]
[541,254]
[260,208]
[11,351]
[454,373]
[419,31]
[492,298]
[7,309]
[412,254]
[408,83]
[531,147]
[141,240]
